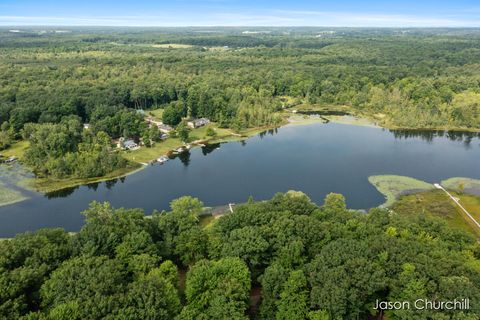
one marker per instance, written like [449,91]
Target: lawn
[145,154]
[392,187]
[201,133]
[156,114]
[437,204]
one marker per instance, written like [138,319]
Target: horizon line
[237,26]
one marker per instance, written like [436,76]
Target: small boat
[180,150]
[162,159]
[11,159]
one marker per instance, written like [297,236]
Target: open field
[392,186]
[471,203]
[156,114]
[437,204]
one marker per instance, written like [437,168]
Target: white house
[130,145]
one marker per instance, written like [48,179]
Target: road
[438,186]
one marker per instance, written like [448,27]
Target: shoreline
[45,185]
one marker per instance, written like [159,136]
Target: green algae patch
[463,185]
[10,196]
[392,186]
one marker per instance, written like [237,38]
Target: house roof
[200,120]
[129,143]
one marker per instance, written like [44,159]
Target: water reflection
[111,183]
[270,132]
[429,135]
[209,148]
[323,113]
[185,157]
[61,193]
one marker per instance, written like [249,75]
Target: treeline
[409,81]
[305,261]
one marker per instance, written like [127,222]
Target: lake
[316,159]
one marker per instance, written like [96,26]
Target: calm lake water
[316,159]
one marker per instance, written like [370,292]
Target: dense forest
[410,78]
[414,78]
[285,258]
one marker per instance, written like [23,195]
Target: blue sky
[409,13]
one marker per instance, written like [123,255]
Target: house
[127,144]
[130,145]
[197,123]
[164,128]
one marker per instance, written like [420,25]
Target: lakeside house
[160,125]
[197,123]
[164,128]
[128,144]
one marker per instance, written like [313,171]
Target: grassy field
[17,149]
[471,203]
[156,114]
[9,196]
[437,204]
[392,187]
